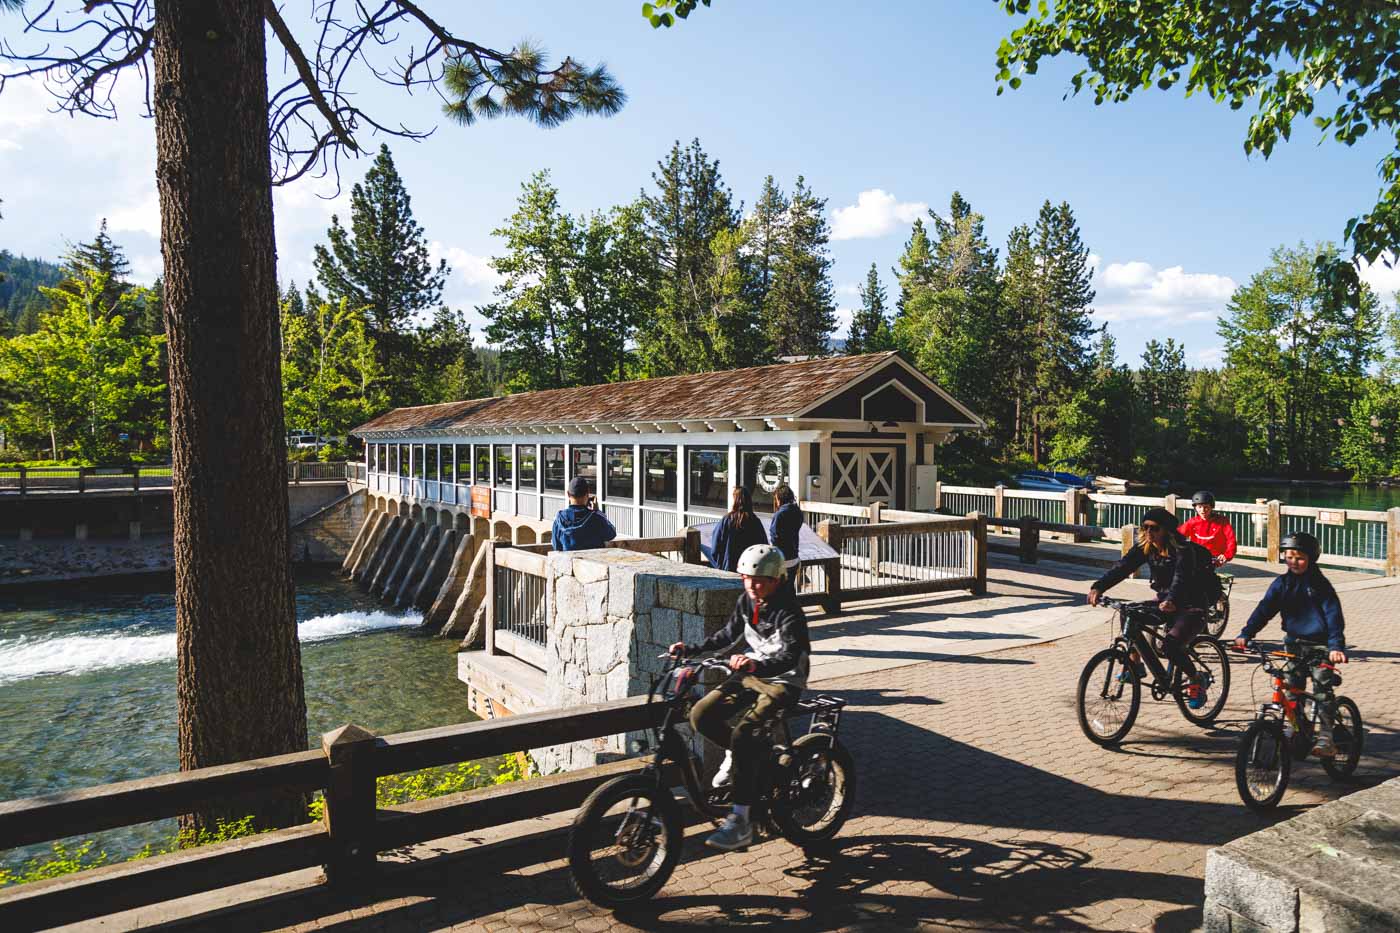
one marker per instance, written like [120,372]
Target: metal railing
[25,480]
[519,603]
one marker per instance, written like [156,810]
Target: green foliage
[80,379]
[520,84]
[659,14]
[1280,54]
[870,326]
[799,312]
[1296,358]
[331,381]
[21,301]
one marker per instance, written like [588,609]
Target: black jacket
[784,528]
[775,638]
[1185,574]
[730,540]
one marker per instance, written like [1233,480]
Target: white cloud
[1385,280]
[850,290]
[843,322]
[467,268]
[1134,290]
[147,267]
[875,213]
[9,145]
[1212,356]
[141,216]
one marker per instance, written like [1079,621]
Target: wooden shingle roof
[783,390]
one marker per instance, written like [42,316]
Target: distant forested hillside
[20,298]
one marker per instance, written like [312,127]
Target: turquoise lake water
[87,682]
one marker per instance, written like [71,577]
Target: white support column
[638,478]
[733,474]
[682,482]
[539,481]
[827,490]
[600,473]
[799,465]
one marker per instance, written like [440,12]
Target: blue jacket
[730,541]
[784,528]
[579,528]
[1310,607]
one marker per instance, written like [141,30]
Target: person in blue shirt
[738,530]
[1313,627]
[582,525]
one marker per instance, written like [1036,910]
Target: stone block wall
[1335,868]
[611,613]
[325,536]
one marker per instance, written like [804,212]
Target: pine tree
[530,317]
[691,221]
[102,257]
[381,264]
[870,328]
[799,313]
[915,269]
[767,226]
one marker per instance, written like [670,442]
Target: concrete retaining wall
[325,536]
[1335,868]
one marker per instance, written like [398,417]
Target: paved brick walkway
[980,807]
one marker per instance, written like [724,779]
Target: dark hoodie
[579,528]
[784,528]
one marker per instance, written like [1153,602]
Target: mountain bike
[626,838]
[1218,616]
[1283,731]
[1110,687]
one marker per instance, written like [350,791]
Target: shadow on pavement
[872,881]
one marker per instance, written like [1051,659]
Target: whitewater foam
[25,658]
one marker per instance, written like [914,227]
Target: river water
[87,682]
[1376,498]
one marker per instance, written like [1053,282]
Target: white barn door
[862,475]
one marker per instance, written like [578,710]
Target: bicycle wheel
[1348,735]
[1262,765]
[1109,696]
[625,841]
[1209,657]
[817,790]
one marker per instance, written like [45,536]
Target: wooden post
[690,549]
[1258,524]
[1169,503]
[937,494]
[1030,539]
[1129,533]
[1072,499]
[999,501]
[136,479]
[350,815]
[979,554]
[830,532]
[1392,545]
[23,483]
[1273,531]
[490,600]
[82,479]
[296,471]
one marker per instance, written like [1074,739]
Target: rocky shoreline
[57,561]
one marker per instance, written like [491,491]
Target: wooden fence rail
[1359,538]
[345,842]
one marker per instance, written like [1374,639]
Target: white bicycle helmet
[762,560]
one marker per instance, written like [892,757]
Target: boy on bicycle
[1314,630]
[1214,534]
[768,679]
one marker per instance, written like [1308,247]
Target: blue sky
[884,108]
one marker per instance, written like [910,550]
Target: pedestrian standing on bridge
[784,529]
[738,530]
[582,525]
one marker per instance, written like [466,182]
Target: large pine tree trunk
[239,675]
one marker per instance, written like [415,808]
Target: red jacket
[1215,535]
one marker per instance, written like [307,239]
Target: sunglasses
[1148,526]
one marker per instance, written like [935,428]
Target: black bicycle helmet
[1301,541]
[1204,497]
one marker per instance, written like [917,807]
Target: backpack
[1205,564]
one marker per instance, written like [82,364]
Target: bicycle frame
[1135,634]
[1286,698]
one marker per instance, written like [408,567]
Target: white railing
[660,523]
[623,517]
[527,504]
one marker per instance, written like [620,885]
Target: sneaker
[1195,695]
[721,778]
[1324,747]
[734,833]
